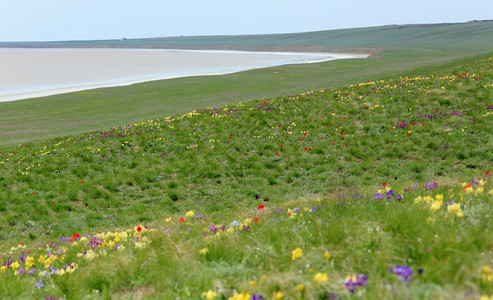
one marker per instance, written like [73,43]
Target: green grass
[326,140]
[337,145]
[186,259]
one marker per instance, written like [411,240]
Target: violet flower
[353,281]
[39,284]
[404,273]
[213,229]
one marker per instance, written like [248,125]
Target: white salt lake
[30,73]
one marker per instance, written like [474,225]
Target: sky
[61,20]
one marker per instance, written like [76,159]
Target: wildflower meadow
[373,190]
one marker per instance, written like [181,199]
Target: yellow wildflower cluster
[242,296]
[327,255]
[47,261]
[15,266]
[468,188]
[456,209]
[296,253]
[437,204]
[320,277]
[142,242]
[209,295]
[299,287]
[29,262]
[487,274]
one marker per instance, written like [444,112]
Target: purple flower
[22,271]
[296,209]
[32,271]
[257,297]
[411,188]
[389,194]
[352,282]
[378,196]
[39,284]
[430,186]
[404,273]
[213,229]
[8,263]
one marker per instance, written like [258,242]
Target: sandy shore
[31,73]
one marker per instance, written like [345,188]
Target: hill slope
[313,195]
[405,129]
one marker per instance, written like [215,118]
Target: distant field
[458,37]
[412,49]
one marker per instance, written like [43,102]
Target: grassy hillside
[366,178]
[411,49]
[380,189]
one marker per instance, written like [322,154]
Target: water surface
[29,73]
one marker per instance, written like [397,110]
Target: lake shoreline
[83,85]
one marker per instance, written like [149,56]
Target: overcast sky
[52,20]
